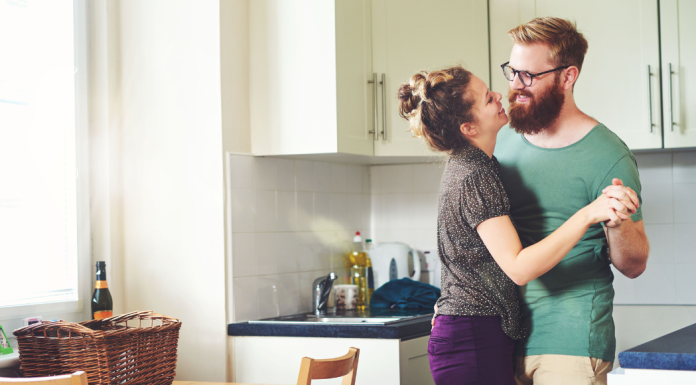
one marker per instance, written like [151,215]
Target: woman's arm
[524,265]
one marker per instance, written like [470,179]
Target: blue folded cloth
[405,293]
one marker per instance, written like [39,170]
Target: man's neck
[570,126]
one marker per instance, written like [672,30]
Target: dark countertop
[674,351]
[404,330]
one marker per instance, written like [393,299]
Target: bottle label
[103,313]
[101,285]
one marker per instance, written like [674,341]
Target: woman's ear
[468,130]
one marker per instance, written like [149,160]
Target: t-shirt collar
[474,154]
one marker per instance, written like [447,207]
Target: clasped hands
[622,203]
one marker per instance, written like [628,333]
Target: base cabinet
[276,360]
[621,376]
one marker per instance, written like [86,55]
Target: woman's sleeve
[483,197]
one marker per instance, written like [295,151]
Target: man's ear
[570,75]
[468,130]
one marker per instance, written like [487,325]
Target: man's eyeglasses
[525,77]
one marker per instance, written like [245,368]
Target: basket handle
[44,326]
[138,314]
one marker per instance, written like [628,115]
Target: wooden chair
[77,378]
[346,367]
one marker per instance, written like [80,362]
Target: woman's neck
[486,145]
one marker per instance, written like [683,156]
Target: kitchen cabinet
[324,75]
[382,361]
[413,35]
[309,62]
[678,42]
[622,84]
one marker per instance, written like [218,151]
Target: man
[557,160]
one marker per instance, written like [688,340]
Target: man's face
[534,108]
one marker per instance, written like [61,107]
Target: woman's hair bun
[434,101]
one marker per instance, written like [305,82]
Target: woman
[478,316]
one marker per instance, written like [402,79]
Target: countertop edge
[405,330]
[673,351]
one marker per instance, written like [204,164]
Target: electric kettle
[391,261]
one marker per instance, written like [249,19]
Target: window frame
[77,310]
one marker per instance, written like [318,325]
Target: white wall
[292,221]
[158,196]
[404,209]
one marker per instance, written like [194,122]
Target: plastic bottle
[361,272]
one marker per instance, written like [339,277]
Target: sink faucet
[321,287]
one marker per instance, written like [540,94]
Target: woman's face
[488,110]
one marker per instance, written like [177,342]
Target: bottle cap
[357,237]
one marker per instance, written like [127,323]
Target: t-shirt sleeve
[625,169]
[483,197]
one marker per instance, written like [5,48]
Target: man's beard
[539,113]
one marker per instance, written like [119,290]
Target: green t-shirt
[568,309]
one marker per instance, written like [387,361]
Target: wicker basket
[110,350]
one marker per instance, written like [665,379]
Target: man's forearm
[628,248]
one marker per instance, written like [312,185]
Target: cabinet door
[413,35]
[353,69]
[308,67]
[678,34]
[414,364]
[615,86]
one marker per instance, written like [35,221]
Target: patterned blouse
[472,282]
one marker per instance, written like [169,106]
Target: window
[38,153]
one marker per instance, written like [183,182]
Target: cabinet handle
[671,107]
[374,104]
[650,99]
[384,106]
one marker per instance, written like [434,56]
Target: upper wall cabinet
[309,62]
[325,74]
[413,35]
[622,83]
[678,37]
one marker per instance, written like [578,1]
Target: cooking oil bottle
[361,272]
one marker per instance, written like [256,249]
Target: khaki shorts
[556,369]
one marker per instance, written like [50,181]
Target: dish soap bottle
[370,276]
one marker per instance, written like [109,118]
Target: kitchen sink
[329,319]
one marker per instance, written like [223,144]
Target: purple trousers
[470,350]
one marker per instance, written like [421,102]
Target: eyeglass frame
[531,75]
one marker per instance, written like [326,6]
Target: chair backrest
[77,378]
[346,367]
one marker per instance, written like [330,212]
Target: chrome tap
[321,287]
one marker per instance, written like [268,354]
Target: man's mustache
[512,95]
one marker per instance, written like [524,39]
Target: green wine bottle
[102,304]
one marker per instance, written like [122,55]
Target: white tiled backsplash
[669,214]
[404,203]
[292,221]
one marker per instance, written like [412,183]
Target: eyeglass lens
[525,76]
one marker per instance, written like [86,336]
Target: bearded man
[557,160]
